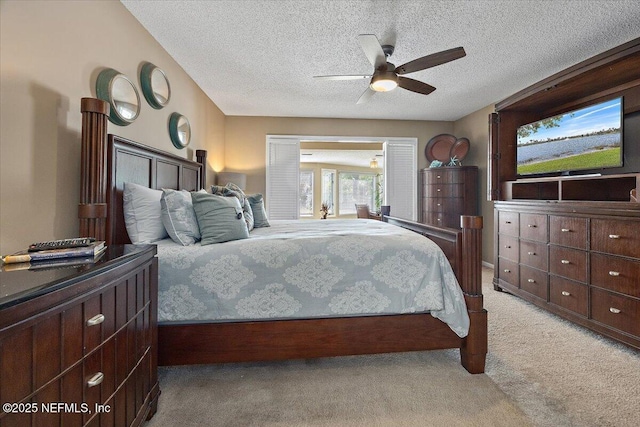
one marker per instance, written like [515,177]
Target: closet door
[283,178]
[401,174]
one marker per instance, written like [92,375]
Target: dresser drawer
[570,295]
[615,273]
[569,263]
[533,227]
[568,231]
[616,237]
[443,190]
[617,311]
[443,204]
[533,281]
[533,254]
[508,271]
[508,223]
[449,176]
[508,247]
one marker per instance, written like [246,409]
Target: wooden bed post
[474,347]
[201,157]
[92,210]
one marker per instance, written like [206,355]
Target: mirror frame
[174,133]
[104,91]
[146,83]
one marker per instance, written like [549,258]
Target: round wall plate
[121,94]
[155,86]
[439,147]
[179,130]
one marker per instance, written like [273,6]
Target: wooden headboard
[108,161]
[129,161]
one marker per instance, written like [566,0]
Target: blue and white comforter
[310,269]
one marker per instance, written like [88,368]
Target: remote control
[61,244]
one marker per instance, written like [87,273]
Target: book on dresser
[92,250]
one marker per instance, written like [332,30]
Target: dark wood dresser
[446,193]
[78,345]
[578,260]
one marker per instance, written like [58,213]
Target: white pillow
[142,213]
[178,216]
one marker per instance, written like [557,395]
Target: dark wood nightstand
[85,337]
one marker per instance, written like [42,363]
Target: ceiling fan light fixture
[373,164]
[384,82]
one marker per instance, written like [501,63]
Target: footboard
[463,248]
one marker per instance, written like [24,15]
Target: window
[306,193]
[328,189]
[356,187]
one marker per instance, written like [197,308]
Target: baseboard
[488,265]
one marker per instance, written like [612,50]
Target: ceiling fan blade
[372,48]
[366,95]
[346,77]
[415,86]
[431,60]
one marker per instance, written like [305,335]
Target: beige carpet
[541,371]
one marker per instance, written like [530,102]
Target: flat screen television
[588,139]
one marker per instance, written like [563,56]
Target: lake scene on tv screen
[589,138]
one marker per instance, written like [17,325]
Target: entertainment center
[568,240]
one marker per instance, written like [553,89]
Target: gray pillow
[259,214]
[142,213]
[219,218]
[233,190]
[178,216]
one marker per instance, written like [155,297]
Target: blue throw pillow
[259,214]
[219,218]
[178,216]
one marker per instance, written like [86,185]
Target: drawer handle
[438,176]
[532,226]
[507,222]
[531,253]
[531,281]
[95,380]
[614,273]
[565,230]
[614,236]
[506,270]
[565,293]
[565,261]
[614,310]
[507,246]
[438,190]
[438,204]
[96,320]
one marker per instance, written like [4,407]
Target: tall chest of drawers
[446,193]
[78,345]
[579,261]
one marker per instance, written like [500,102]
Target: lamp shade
[239,179]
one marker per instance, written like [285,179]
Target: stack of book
[53,258]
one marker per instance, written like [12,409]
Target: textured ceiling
[257,58]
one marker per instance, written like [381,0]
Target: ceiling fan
[386,76]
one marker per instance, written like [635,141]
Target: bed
[108,161]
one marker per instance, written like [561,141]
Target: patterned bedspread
[310,269]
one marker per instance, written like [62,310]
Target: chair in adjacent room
[362,211]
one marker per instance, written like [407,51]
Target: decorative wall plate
[179,130]
[439,147]
[459,149]
[155,86]
[121,94]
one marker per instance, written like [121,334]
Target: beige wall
[50,55]
[245,138]
[475,126]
